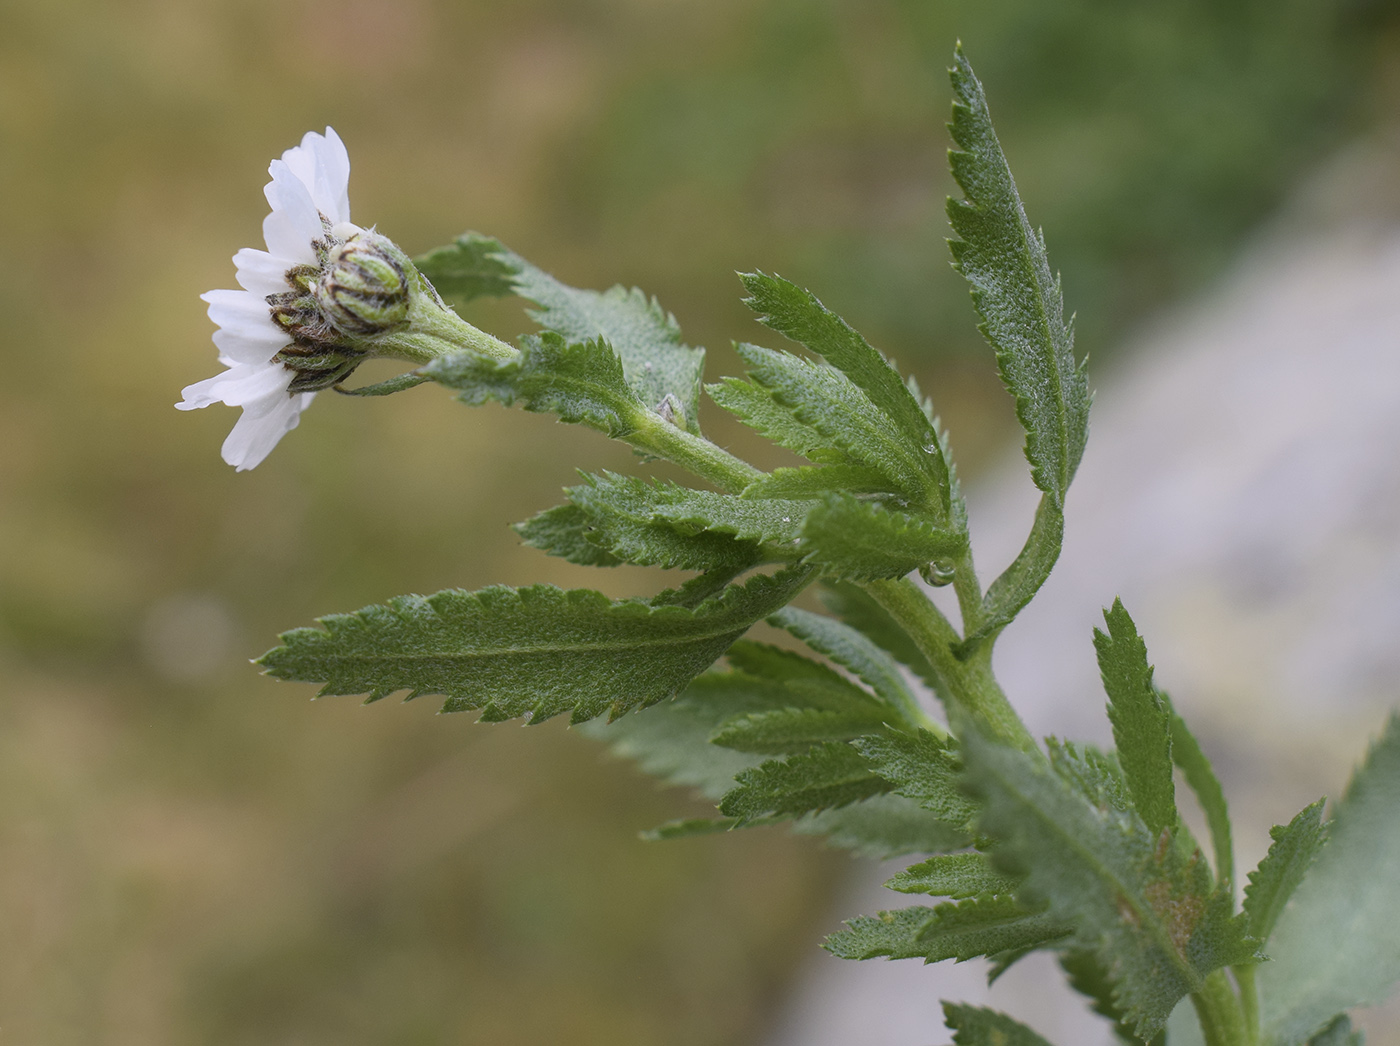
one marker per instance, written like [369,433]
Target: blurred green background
[190,853]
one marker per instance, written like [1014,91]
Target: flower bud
[363,290]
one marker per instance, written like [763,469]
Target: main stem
[1218,1009]
[967,686]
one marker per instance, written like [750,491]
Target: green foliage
[1015,294]
[851,649]
[798,315]
[582,381]
[797,729]
[860,540]
[1141,721]
[814,481]
[536,651]
[857,608]
[1335,945]
[922,767]
[1146,912]
[1338,1033]
[976,1026]
[564,531]
[996,927]
[954,875]
[644,337]
[1295,847]
[826,775]
[755,405]
[1088,977]
[883,826]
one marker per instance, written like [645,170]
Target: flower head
[278,347]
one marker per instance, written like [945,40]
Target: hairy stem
[968,686]
[1249,1002]
[1218,1010]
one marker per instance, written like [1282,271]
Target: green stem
[655,435]
[1218,1010]
[1249,1001]
[969,592]
[967,686]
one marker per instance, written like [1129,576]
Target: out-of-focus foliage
[193,854]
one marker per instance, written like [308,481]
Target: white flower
[310,215]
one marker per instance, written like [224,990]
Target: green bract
[1059,847]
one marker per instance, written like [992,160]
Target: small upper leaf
[953,875]
[921,767]
[864,540]
[997,927]
[536,651]
[1015,293]
[797,314]
[1196,768]
[644,336]
[826,775]
[1295,847]
[859,609]
[1141,722]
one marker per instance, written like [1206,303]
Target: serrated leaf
[821,397]
[1008,595]
[1141,722]
[1015,293]
[1335,946]
[858,608]
[921,767]
[953,875]
[961,930]
[1295,846]
[884,826]
[852,650]
[825,776]
[976,1026]
[1088,977]
[564,531]
[753,404]
[865,541]
[797,314]
[1147,913]
[582,381]
[537,651]
[626,517]
[811,481]
[1196,768]
[1091,772]
[472,266]
[644,336]
[790,730]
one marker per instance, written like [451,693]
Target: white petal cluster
[309,196]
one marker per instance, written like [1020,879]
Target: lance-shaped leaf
[1147,912]
[921,767]
[1141,721]
[582,381]
[565,531]
[975,1026]
[825,776]
[865,541]
[536,651]
[827,401]
[858,608]
[797,314]
[627,517]
[1338,1033]
[644,336]
[754,405]
[852,650]
[954,875]
[1196,768]
[1015,293]
[884,826]
[1335,945]
[1295,846]
[992,926]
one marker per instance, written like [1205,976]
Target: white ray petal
[261,273]
[261,426]
[237,386]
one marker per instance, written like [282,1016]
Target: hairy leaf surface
[954,875]
[537,651]
[961,930]
[921,767]
[976,1026]
[1295,846]
[858,608]
[865,541]
[850,649]
[1015,293]
[827,775]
